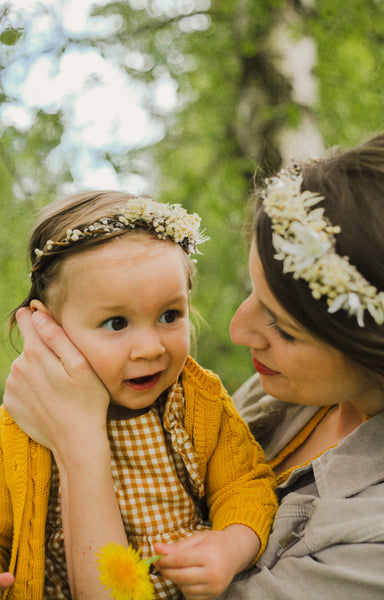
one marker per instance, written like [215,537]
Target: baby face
[125,306]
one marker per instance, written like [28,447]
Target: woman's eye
[169,316]
[115,324]
[280,332]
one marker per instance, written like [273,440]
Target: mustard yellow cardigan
[239,486]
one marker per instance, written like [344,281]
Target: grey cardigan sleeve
[341,572]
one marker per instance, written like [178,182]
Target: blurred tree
[256,82]
[26,185]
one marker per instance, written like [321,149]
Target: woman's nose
[146,344]
[245,329]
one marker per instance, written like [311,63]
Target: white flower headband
[305,242]
[166,220]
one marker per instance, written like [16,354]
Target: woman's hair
[352,184]
[69,214]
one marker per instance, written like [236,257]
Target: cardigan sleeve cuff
[257,518]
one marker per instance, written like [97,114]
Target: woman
[314,324]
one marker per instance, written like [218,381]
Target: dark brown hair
[352,183]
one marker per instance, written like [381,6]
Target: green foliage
[26,187]
[350,71]
[9,37]
[217,56]
[203,167]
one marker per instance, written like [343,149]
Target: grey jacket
[328,536]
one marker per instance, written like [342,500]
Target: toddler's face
[126,308]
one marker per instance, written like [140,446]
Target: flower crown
[167,221]
[305,241]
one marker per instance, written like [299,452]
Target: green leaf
[10,36]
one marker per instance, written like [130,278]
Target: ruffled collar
[173,423]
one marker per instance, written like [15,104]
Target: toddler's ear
[38,305]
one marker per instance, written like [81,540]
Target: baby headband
[167,221]
[305,241]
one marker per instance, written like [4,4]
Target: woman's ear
[38,305]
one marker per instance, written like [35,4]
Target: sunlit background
[102,107]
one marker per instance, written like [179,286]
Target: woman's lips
[262,369]
[142,384]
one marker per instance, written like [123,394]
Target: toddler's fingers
[179,546]
[187,559]
[186,576]
[6,580]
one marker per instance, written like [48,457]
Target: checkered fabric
[156,487]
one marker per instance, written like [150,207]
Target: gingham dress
[157,486]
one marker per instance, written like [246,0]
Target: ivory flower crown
[166,220]
[305,241]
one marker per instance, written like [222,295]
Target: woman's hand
[204,564]
[52,392]
[56,398]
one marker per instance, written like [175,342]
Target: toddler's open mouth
[143,383]
[141,379]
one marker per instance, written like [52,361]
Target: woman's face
[295,366]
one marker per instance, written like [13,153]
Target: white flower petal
[304,240]
[338,303]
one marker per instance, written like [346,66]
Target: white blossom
[166,220]
[304,241]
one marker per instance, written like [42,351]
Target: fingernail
[39,317]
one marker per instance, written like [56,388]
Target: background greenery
[236,102]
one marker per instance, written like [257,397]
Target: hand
[56,398]
[52,392]
[6,580]
[204,564]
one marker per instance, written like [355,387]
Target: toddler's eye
[115,324]
[169,316]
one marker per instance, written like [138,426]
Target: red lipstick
[262,369]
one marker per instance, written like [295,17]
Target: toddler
[160,450]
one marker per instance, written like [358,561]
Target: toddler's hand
[204,564]
[6,580]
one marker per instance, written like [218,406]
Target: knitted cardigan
[239,486]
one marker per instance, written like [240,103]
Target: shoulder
[12,437]
[7,423]
[206,399]
[199,378]
[355,465]
[210,415]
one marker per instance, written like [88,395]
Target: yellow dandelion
[123,570]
